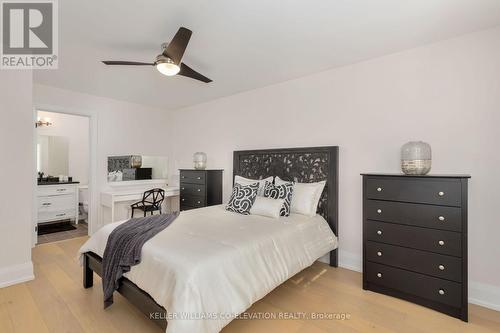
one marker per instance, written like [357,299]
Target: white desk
[132,192]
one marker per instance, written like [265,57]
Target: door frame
[93,216]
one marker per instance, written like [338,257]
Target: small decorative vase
[416,158]
[200,160]
[135,161]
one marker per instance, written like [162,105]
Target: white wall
[17,176]
[122,128]
[76,129]
[447,94]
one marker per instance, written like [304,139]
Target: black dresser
[200,188]
[415,239]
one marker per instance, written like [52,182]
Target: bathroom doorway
[62,199]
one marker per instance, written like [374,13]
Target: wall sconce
[44,122]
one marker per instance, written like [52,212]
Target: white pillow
[247,181]
[267,207]
[305,197]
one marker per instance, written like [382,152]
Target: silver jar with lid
[416,158]
[200,160]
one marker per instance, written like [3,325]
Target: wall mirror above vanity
[52,155]
[137,167]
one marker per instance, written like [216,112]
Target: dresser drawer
[427,287]
[418,190]
[193,201]
[192,189]
[47,216]
[438,217]
[417,238]
[44,190]
[192,177]
[185,207]
[56,203]
[438,265]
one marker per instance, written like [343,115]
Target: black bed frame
[296,164]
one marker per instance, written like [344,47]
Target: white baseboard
[350,261]
[347,260]
[486,295]
[16,274]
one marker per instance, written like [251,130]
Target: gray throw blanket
[123,249]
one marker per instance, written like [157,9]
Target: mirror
[136,167]
[52,155]
[158,164]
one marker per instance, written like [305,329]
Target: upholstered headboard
[304,165]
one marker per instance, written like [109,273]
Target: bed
[211,265]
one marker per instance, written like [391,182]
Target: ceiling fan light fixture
[166,66]
[169,61]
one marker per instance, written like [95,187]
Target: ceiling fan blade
[133,63]
[175,49]
[191,73]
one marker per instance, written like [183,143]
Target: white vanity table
[130,192]
[57,201]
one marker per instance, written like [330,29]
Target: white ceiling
[241,44]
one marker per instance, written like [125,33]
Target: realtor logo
[29,34]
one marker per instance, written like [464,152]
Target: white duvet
[210,265]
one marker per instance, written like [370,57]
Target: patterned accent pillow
[283,191]
[242,198]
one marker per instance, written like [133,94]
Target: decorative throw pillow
[267,207]
[242,198]
[283,191]
[248,181]
[305,196]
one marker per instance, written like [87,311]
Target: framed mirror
[136,167]
[52,155]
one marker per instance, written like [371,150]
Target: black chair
[151,201]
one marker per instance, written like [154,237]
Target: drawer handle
[183,177]
[58,215]
[379,189]
[441,267]
[441,292]
[379,232]
[199,190]
[441,218]
[379,211]
[441,243]
[61,190]
[379,253]
[441,193]
[198,178]
[183,199]
[182,188]
[199,202]
[46,204]
[379,275]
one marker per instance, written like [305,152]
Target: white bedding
[216,264]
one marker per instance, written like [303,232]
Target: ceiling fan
[169,61]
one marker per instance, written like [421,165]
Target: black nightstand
[200,188]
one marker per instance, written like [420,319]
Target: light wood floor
[56,302]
